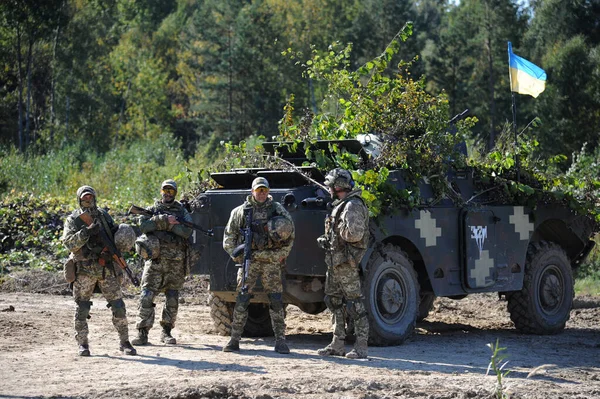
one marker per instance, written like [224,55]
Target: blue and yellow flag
[525,77]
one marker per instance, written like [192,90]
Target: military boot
[360,350]
[335,348]
[232,346]
[281,347]
[142,338]
[127,348]
[84,350]
[166,337]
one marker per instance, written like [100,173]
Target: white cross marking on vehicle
[427,227]
[483,265]
[521,222]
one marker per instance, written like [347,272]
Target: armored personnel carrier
[438,249]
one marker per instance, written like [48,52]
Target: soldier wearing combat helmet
[345,242]
[94,267]
[273,237]
[166,264]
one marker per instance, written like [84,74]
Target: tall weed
[129,173]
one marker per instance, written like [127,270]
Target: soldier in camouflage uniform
[345,243]
[167,272]
[268,259]
[94,267]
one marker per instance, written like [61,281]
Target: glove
[323,242]
[258,227]
[93,229]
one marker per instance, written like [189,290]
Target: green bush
[128,173]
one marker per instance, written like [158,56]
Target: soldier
[94,267]
[273,237]
[165,273]
[345,242]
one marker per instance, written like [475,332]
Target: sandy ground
[446,358]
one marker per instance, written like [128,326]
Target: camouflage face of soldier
[87,201]
[260,194]
[168,194]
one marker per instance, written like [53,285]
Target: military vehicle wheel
[425,305]
[220,312]
[258,323]
[544,303]
[391,292]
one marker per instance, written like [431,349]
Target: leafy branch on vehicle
[387,102]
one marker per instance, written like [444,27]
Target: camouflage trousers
[270,276]
[83,288]
[160,275]
[342,284]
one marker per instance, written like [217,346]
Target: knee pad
[333,302]
[172,298]
[83,310]
[146,299]
[242,302]
[276,301]
[118,308]
[355,309]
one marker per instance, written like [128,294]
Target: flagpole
[517,160]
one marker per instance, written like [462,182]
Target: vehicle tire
[544,304]
[425,305]
[258,323]
[220,312]
[391,291]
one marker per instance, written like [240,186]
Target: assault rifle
[110,246]
[246,247]
[137,210]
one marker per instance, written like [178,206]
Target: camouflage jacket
[173,237]
[347,230]
[77,239]
[233,235]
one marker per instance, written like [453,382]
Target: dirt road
[446,358]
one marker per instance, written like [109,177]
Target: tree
[565,36]
[470,61]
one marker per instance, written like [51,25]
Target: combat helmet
[148,246]
[125,237]
[339,178]
[280,228]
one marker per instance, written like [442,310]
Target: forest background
[122,94]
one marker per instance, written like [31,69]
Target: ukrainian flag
[525,77]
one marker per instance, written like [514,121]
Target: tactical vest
[94,246]
[265,213]
[341,250]
[166,237]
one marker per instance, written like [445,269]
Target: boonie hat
[260,182]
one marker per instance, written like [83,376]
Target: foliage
[415,130]
[497,364]
[30,231]
[129,173]
[412,123]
